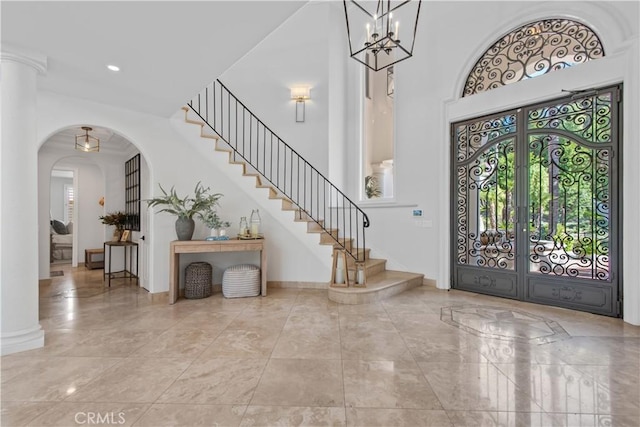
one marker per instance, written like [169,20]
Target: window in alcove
[532,50]
[378,134]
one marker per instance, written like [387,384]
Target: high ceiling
[167,51]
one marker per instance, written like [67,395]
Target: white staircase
[380,282]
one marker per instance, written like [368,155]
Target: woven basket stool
[241,280]
[197,282]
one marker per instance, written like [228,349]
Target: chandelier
[86,142]
[381,32]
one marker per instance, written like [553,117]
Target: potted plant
[214,222]
[185,208]
[118,219]
[371,187]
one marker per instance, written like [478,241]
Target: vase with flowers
[117,219]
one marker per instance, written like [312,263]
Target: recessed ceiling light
[113,67]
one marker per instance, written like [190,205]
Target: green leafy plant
[188,206]
[117,219]
[371,187]
[212,220]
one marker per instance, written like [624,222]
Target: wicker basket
[197,283]
[241,281]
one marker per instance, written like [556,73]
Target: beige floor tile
[172,415]
[387,384]
[58,341]
[250,342]
[297,382]
[506,419]
[507,351]
[55,378]
[67,414]
[206,320]
[140,380]
[299,359]
[365,417]
[580,392]
[374,345]
[20,413]
[421,323]
[443,347]
[221,381]
[293,416]
[111,342]
[178,342]
[305,343]
[597,351]
[266,319]
[312,320]
[476,386]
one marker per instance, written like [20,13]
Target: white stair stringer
[204,142]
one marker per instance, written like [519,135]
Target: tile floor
[422,358]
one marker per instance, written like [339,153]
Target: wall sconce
[300,94]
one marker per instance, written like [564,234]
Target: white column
[20,328]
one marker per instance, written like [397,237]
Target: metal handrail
[277,162]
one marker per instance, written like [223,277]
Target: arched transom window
[532,50]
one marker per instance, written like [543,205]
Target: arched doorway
[100,188]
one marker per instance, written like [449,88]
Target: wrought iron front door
[535,205]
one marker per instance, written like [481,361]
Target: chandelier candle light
[375,41]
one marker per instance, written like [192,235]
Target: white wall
[296,54]
[450,38]
[57,197]
[427,92]
[171,161]
[451,35]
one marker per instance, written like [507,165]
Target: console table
[127,272]
[211,246]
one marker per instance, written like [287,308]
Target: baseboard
[28,339]
[297,285]
[430,282]
[159,297]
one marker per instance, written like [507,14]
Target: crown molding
[36,61]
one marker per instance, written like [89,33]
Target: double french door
[535,211]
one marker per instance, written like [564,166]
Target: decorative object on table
[197,282]
[241,281]
[214,222]
[185,208]
[243,230]
[118,219]
[126,235]
[255,224]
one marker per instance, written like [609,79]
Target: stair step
[328,236]
[372,266]
[379,287]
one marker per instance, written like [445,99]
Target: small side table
[89,258]
[127,272]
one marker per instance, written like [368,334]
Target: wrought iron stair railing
[287,171]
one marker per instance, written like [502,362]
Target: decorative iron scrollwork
[532,50]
